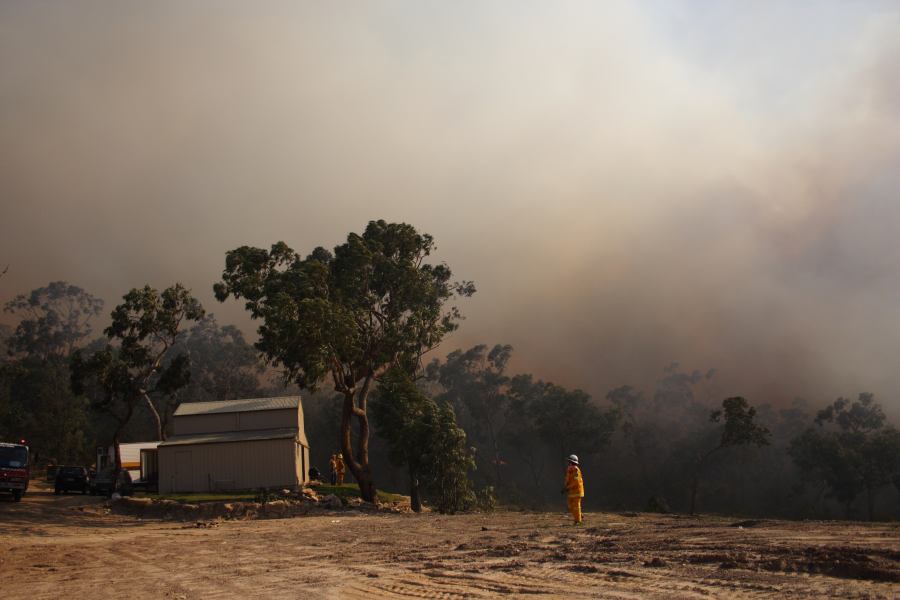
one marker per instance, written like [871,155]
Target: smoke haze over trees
[639,447]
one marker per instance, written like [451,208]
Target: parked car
[72,479]
[103,483]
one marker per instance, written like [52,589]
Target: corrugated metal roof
[231,406]
[231,436]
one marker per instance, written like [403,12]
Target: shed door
[184,472]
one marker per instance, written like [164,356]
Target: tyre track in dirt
[76,550]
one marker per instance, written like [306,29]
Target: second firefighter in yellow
[574,488]
[339,468]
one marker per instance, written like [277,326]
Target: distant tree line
[353,326]
[679,448]
[159,349]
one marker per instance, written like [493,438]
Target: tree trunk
[495,446]
[698,472]
[539,497]
[117,463]
[358,464]
[160,433]
[694,485]
[415,499]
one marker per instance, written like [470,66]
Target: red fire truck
[14,471]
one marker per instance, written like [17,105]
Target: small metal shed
[235,445]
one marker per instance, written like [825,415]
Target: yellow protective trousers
[575,508]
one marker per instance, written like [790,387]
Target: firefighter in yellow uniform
[339,468]
[574,489]
[332,462]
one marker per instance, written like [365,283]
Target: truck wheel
[17,496]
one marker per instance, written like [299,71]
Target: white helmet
[573,459]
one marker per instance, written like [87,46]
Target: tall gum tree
[147,325]
[347,317]
[739,428]
[56,319]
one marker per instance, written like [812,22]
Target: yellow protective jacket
[574,482]
[339,465]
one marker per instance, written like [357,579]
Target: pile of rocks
[289,503]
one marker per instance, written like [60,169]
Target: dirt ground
[55,547]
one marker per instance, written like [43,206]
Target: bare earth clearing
[70,547]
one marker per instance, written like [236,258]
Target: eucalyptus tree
[224,366]
[474,380]
[348,316]
[55,320]
[739,428]
[423,436]
[147,325]
[103,378]
[852,450]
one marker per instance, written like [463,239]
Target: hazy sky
[629,184]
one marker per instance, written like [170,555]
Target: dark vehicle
[72,479]
[142,485]
[103,483]
[14,470]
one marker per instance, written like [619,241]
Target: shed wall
[229,466]
[190,424]
[237,421]
[267,419]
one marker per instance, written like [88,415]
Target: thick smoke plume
[628,184]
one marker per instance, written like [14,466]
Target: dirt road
[70,547]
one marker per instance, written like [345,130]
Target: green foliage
[521,428]
[425,438]
[223,366]
[862,416]
[399,412]
[146,325]
[475,383]
[39,407]
[346,491]
[56,320]
[35,400]
[860,453]
[448,460]
[348,316]
[104,379]
[486,498]
[206,497]
[371,304]
[560,416]
[739,428]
